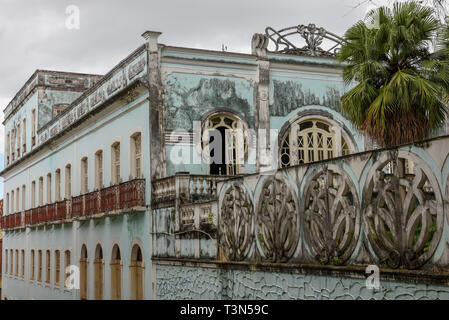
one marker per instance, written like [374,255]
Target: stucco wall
[176,282]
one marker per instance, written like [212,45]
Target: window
[33,127]
[58,185]
[6,261]
[8,148]
[7,204]
[16,273]
[115,169]
[33,194]
[116,274]
[24,135]
[84,176]
[22,271]
[41,191]
[32,265]
[19,132]
[12,201]
[67,264]
[48,265]
[48,188]
[83,273]
[99,169]
[225,136]
[11,255]
[137,273]
[39,262]
[57,267]
[310,141]
[136,156]
[68,181]
[13,142]
[17,200]
[23,198]
[98,273]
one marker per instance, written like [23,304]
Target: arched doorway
[83,273]
[225,144]
[312,140]
[136,273]
[116,274]
[99,272]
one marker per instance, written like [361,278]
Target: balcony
[125,197]
[185,188]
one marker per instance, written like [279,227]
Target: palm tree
[401,86]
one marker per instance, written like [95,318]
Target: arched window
[16,273]
[57,267]
[23,197]
[312,140]
[116,274]
[7,204]
[83,273]
[49,188]
[39,262]
[41,191]
[225,144]
[99,272]
[115,163]
[67,262]
[58,185]
[136,156]
[6,261]
[22,270]
[68,181]
[48,265]
[32,265]
[11,262]
[137,273]
[33,194]
[84,176]
[18,200]
[99,169]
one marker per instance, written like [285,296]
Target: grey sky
[33,34]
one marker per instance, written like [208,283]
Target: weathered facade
[118,182]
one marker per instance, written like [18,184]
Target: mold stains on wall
[290,95]
[187,100]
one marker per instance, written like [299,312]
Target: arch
[136,269]
[84,263]
[99,272]
[313,136]
[116,273]
[233,132]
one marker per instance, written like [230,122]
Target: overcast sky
[33,33]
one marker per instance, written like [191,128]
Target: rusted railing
[91,203]
[132,194]
[77,206]
[121,197]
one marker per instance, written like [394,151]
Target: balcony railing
[186,187]
[116,199]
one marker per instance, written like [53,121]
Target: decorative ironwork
[277,221]
[313,37]
[236,223]
[403,210]
[331,215]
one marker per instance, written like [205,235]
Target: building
[172,174]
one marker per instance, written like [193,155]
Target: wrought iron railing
[119,198]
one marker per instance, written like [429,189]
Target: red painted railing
[132,194]
[61,210]
[77,206]
[91,203]
[42,214]
[35,216]
[126,195]
[28,219]
[51,212]
[108,198]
